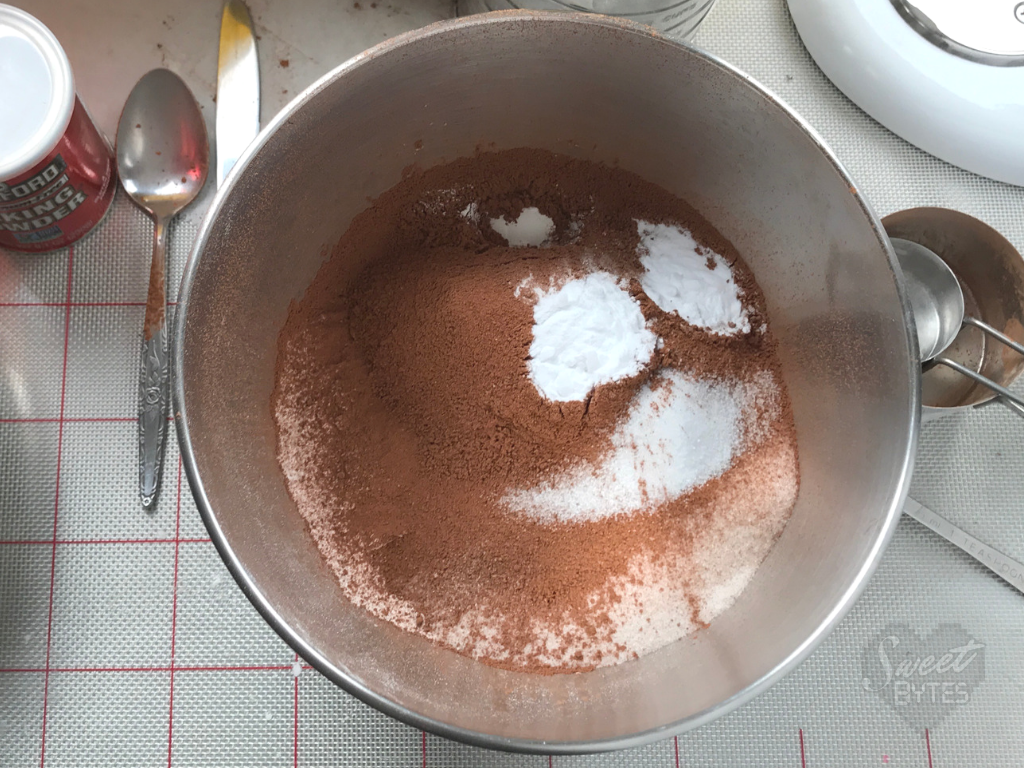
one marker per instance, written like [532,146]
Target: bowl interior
[597,89]
[991,273]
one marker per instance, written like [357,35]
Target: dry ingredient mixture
[531,410]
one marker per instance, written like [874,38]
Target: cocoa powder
[405,412]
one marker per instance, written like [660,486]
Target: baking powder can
[57,171]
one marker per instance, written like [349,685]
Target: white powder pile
[587,332]
[680,432]
[532,228]
[678,280]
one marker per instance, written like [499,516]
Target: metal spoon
[937,302]
[163,156]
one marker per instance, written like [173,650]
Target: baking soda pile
[530,228]
[587,332]
[691,281]
[533,424]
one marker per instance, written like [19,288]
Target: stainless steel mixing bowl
[609,91]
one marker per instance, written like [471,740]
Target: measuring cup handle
[1013,405]
[1015,346]
[1006,396]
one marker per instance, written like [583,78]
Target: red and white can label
[64,195]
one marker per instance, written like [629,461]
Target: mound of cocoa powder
[405,410]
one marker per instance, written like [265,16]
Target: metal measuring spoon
[163,156]
[937,302]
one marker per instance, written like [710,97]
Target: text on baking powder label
[39,202]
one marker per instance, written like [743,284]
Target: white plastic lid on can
[37,91]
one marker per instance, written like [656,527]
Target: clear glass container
[680,18]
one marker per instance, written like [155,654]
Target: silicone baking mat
[124,641]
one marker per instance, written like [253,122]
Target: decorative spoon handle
[154,379]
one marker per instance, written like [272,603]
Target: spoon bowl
[163,153]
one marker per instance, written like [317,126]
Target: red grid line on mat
[928,746]
[87,419]
[803,753]
[56,500]
[423,747]
[174,618]
[79,303]
[295,719]
[177,669]
[62,542]
[675,740]
[73,420]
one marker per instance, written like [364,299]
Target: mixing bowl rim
[341,678]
